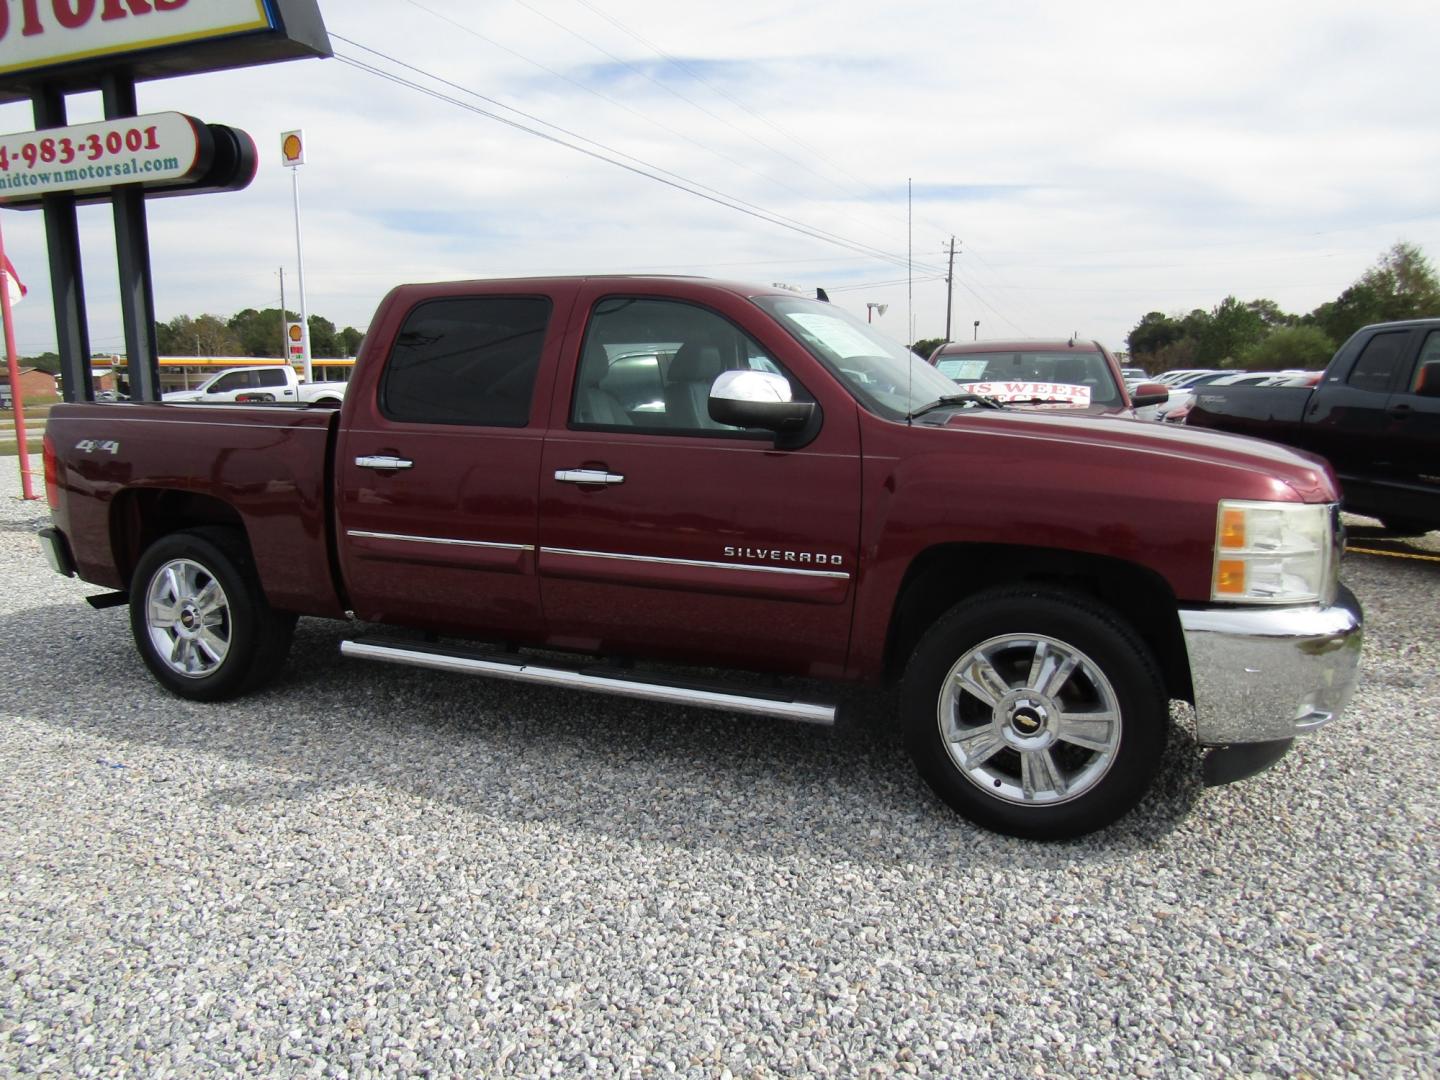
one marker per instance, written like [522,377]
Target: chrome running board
[597,679]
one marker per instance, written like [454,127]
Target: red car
[1073,375]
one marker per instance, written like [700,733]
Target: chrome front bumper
[1266,674]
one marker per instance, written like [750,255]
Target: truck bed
[1267,412]
[133,460]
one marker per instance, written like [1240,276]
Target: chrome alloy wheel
[188,618]
[1029,719]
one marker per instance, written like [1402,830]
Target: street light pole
[977,330]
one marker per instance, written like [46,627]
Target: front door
[665,533]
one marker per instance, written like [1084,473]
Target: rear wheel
[200,618]
[1036,713]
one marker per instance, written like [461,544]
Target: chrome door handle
[383,461]
[587,476]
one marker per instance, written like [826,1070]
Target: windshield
[885,377]
[1069,378]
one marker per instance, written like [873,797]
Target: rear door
[274,381]
[664,533]
[439,457]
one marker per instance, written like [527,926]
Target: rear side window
[272,378]
[1375,367]
[469,360]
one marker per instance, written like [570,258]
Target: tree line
[1256,335]
[251,333]
[245,334]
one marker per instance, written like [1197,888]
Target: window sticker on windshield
[966,370]
[838,336]
[1061,393]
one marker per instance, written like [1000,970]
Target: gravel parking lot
[375,871]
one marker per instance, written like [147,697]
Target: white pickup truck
[273,382]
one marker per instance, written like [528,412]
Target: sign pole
[17,402]
[67,283]
[292,149]
[132,251]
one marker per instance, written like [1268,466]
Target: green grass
[32,412]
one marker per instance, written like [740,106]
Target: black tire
[1009,763]
[1403,526]
[211,634]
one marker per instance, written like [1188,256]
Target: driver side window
[649,364]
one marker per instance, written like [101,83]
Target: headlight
[1274,553]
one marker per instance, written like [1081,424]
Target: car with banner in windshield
[1068,375]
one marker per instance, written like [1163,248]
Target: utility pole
[949,287]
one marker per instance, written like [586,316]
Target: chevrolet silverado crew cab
[1374,415]
[266,382]
[645,473]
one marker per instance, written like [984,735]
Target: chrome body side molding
[361,534]
[701,563]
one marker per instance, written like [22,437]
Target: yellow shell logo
[291,147]
[295,332]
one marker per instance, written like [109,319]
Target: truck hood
[182,395]
[1160,450]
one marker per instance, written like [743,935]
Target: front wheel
[1035,712]
[200,618]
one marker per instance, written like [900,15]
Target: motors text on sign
[41,33]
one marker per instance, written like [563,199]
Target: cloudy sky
[1093,161]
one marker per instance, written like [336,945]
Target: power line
[881,284]
[929,268]
[609,155]
[747,166]
[863,189]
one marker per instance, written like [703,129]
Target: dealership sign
[72,43]
[153,150]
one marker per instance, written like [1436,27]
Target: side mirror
[1150,393]
[1428,385]
[758,399]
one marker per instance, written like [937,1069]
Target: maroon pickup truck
[643,473]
